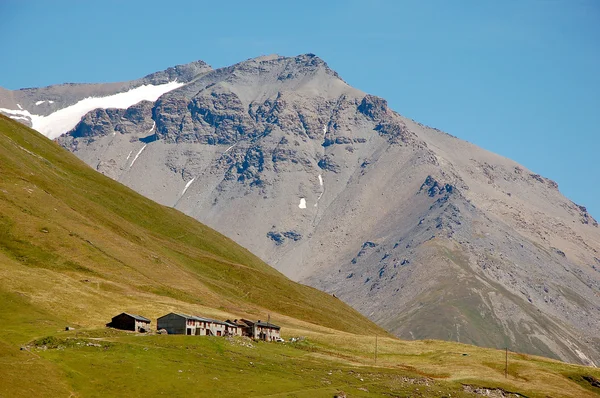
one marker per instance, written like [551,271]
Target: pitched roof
[175,313]
[196,318]
[261,324]
[267,325]
[138,317]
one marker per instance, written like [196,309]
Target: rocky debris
[559,252]
[421,381]
[433,187]
[592,380]
[280,237]
[397,132]
[276,237]
[293,235]
[337,140]
[364,250]
[182,73]
[108,168]
[490,392]
[586,218]
[327,163]
[373,107]
[240,341]
[388,124]
[544,180]
[248,169]
[162,331]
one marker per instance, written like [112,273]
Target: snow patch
[50,102]
[39,102]
[322,191]
[584,358]
[302,204]
[187,185]
[324,129]
[64,120]
[136,156]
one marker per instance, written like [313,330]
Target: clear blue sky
[518,77]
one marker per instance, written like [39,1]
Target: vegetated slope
[83,248]
[428,235]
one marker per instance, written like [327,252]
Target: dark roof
[186,316]
[196,318]
[175,313]
[267,325]
[137,317]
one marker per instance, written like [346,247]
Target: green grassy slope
[101,243]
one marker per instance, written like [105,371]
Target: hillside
[427,235]
[77,247]
[82,247]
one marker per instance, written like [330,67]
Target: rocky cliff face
[426,234]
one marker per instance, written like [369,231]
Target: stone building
[125,321]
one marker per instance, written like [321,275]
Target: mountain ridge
[344,193]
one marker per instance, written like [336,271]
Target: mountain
[427,235]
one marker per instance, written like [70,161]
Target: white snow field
[64,120]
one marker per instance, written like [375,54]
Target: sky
[517,77]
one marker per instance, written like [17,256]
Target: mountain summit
[427,235]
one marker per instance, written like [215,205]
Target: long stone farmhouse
[191,325]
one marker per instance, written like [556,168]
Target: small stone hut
[125,321]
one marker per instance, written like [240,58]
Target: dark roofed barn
[125,321]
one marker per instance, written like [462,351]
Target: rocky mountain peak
[428,235]
[181,73]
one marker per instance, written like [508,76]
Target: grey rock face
[426,234]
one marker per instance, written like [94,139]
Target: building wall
[265,333]
[123,322]
[233,331]
[216,329]
[142,325]
[173,324]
